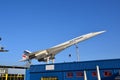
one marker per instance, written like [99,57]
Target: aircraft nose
[100,32]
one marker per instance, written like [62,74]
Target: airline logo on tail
[25,56]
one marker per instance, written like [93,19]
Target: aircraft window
[69,75]
[94,74]
[80,37]
[107,73]
[79,74]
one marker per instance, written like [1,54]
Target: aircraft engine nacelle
[43,59]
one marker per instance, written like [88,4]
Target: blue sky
[40,24]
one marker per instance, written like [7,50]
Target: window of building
[79,74]
[94,74]
[49,78]
[107,73]
[12,77]
[69,74]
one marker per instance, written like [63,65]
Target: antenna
[0,38]
[77,52]
[2,48]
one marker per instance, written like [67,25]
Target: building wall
[109,69]
[11,74]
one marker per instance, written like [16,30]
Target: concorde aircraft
[49,54]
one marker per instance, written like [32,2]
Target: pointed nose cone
[100,32]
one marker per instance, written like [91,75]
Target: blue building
[108,70]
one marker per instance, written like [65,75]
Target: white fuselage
[45,55]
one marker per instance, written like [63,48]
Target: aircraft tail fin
[25,56]
[27,52]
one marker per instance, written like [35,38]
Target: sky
[40,24]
